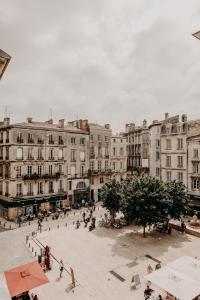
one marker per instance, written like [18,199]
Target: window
[195,167]
[50,170]
[106,151]
[114,140]
[158,172]
[73,170]
[40,188]
[73,155]
[121,151]
[82,141]
[179,144]
[60,154]
[51,141]
[51,154]
[19,138]
[121,165]
[81,185]
[19,189]
[18,171]
[60,185]
[30,138]
[99,151]
[19,153]
[51,187]
[30,156]
[195,184]
[30,189]
[99,165]
[60,140]
[157,155]
[101,180]
[114,151]
[168,161]
[73,140]
[157,143]
[114,165]
[82,170]
[168,144]
[29,170]
[180,162]
[180,176]
[82,155]
[106,138]
[106,165]
[169,176]
[40,153]
[40,170]
[91,165]
[99,138]
[92,155]
[91,137]
[70,185]
[196,153]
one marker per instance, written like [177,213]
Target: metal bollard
[10,227]
[49,228]
[58,226]
[29,245]
[29,223]
[35,253]
[4,224]
[27,238]
[32,249]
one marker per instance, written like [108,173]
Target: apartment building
[138,140]
[42,165]
[154,149]
[119,157]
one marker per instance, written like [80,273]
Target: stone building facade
[119,157]
[44,165]
[138,140]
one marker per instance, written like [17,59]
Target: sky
[109,61]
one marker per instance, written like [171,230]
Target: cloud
[111,61]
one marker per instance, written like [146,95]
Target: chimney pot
[6,121]
[61,123]
[29,120]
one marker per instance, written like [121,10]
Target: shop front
[82,196]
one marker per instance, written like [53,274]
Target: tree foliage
[110,195]
[145,200]
[178,199]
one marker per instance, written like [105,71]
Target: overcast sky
[112,61]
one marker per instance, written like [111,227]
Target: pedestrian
[61,267]
[149,269]
[66,224]
[169,230]
[35,297]
[160,297]
[39,224]
[83,216]
[183,227]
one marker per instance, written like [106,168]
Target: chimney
[184,118]
[144,123]
[61,123]
[6,121]
[50,121]
[29,120]
[84,125]
[107,126]
[166,116]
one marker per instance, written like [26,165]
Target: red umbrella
[23,278]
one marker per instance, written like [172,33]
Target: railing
[20,141]
[19,194]
[92,156]
[36,176]
[77,176]
[99,172]
[51,142]
[40,158]
[30,194]
[60,142]
[40,142]
[51,158]
[30,158]
[30,141]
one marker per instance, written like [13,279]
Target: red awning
[24,278]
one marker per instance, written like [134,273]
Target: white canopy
[181,278]
[4,293]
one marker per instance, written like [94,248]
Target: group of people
[150,294]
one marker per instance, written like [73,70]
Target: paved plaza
[94,255]
[103,260]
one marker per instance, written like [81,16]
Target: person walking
[183,227]
[61,267]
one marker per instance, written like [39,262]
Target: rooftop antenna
[50,113]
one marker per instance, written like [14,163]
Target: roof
[48,126]
[4,61]
[180,278]
[4,54]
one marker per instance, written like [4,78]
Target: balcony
[99,172]
[92,156]
[40,158]
[40,141]
[60,158]
[77,176]
[30,141]
[60,142]
[73,160]
[51,158]
[20,140]
[30,194]
[107,155]
[19,194]
[30,158]
[51,142]
[51,191]
[36,176]
[61,190]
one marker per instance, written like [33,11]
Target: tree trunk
[144,232]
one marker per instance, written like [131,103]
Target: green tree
[179,200]
[110,195]
[145,200]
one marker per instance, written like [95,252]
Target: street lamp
[4,61]
[197,35]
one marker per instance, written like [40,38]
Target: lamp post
[4,61]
